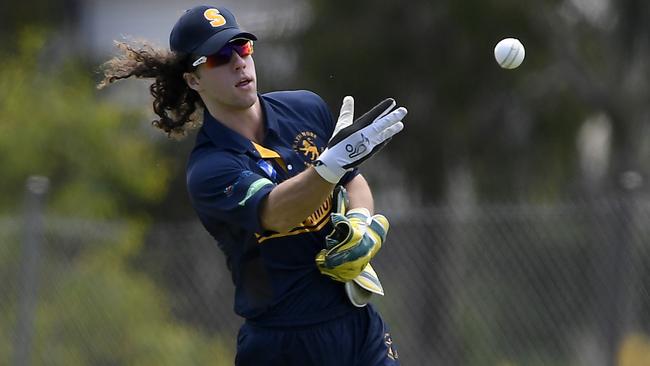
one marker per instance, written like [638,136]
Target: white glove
[354,142]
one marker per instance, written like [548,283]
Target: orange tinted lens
[218,59]
[245,50]
[242,47]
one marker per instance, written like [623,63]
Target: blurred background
[518,198]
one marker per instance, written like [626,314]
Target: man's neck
[247,122]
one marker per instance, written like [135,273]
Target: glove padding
[361,289]
[355,141]
[355,240]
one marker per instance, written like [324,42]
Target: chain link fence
[517,284]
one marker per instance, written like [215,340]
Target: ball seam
[508,64]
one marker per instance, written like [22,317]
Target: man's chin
[251,98]
[245,101]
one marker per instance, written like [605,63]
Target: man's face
[232,85]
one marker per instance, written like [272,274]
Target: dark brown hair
[178,106]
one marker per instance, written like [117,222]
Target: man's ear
[192,80]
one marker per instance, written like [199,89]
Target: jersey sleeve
[223,190]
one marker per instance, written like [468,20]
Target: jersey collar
[222,136]
[270,117]
[225,138]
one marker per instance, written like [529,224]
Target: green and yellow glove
[355,240]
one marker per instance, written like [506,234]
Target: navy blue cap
[204,30]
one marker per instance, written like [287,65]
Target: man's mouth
[244,82]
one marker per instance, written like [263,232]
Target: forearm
[359,194]
[293,200]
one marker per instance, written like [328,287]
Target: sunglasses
[243,47]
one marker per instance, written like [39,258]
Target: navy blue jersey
[276,279]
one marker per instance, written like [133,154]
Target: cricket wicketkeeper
[274,178]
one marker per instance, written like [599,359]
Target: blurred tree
[94,307]
[100,164]
[15,16]
[516,129]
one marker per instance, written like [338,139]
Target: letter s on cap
[215,17]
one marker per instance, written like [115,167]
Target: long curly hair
[178,106]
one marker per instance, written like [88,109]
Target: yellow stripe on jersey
[269,154]
[315,222]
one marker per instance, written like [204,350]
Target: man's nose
[237,61]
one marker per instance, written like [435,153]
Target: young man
[261,178]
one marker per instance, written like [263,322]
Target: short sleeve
[223,190]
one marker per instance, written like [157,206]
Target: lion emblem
[305,145]
[309,149]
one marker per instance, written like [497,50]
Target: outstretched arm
[352,142]
[293,200]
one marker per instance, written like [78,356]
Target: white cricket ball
[509,53]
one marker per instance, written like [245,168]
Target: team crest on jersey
[305,145]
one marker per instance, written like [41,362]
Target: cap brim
[217,41]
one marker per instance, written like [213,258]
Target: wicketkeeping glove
[355,240]
[363,287]
[355,141]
